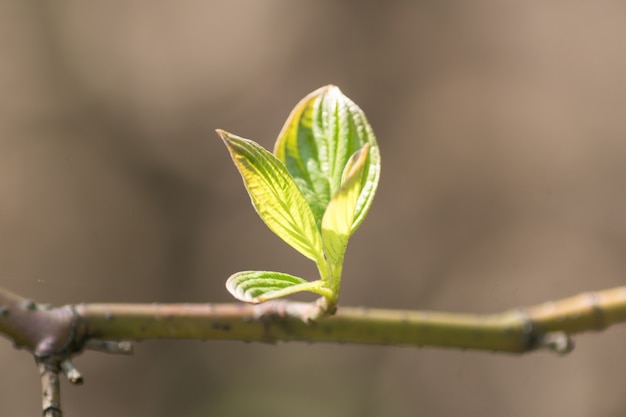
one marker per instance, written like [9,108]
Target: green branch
[61,332]
[521,330]
[54,335]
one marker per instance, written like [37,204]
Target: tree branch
[50,389]
[516,331]
[54,335]
[63,331]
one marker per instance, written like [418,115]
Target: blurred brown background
[503,140]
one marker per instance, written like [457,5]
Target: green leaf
[314,193]
[259,286]
[322,132]
[275,196]
[341,211]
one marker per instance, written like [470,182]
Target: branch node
[307,312]
[598,314]
[106,346]
[528,330]
[72,374]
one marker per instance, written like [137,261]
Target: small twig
[71,373]
[50,389]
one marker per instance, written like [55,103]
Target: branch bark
[547,325]
[63,331]
[54,335]
[42,330]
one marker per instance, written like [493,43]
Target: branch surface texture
[547,325]
[49,332]
[54,335]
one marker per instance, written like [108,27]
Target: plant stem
[516,331]
[50,388]
[53,335]
[547,325]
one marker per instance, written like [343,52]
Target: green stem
[334,284]
[547,325]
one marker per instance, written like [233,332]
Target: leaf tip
[222,133]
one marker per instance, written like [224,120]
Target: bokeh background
[503,138]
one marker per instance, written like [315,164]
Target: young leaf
[314,193]
[339,216]
[322,132]
[275,196]
[258,286]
